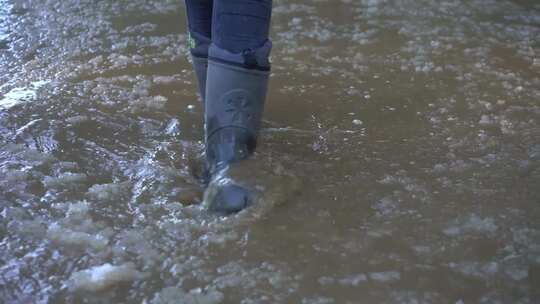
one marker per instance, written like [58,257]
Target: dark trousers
[235,26]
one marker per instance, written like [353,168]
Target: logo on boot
[238,107]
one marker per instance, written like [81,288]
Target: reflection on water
[399,159]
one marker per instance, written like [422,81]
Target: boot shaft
[200,66]
[235,99]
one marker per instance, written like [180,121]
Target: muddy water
[399,160]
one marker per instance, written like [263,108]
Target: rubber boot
[198,47]
[234,105]
[200,66]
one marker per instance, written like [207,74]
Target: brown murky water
[399,160]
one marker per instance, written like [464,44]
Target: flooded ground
[399,160]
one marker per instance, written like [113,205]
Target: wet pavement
[399,160]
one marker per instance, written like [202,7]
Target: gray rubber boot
[200,66]
[234,105]
[198,46]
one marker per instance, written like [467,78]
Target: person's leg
[199,15]
[241,27]
[238,70]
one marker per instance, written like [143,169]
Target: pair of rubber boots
[233,98]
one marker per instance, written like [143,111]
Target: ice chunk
[517,274]
[107,192]
[175,295]
[15,176]
[440,168]
[474,224]
[77,119]
[65,180]
[385,206]
[318,300]
[77,211]
[485,120]
[149,103]
[166,80]
[101,277]
[326,280]
[475,269]
[353,280]
[68,237]
[30,155]
[21,95]
[385,276]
